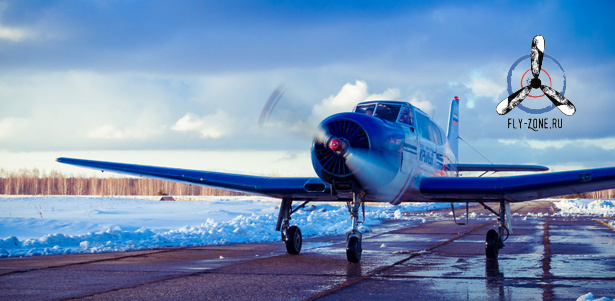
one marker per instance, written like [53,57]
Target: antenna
[475,150]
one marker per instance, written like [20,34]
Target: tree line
[34,182]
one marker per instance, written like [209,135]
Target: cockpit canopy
[389,111]
[405,114]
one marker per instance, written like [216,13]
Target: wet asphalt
[424,257]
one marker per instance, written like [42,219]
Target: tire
[492,245]
[293,240]
[353,249]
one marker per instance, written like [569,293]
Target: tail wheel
[293,240]
[353,249]
[492,244]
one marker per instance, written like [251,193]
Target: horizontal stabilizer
[499,167]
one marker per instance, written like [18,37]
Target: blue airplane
[386,151]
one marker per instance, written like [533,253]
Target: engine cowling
[355,148]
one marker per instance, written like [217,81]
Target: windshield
[367,109]
[406,116]
[387,111]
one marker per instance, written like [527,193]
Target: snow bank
[590,297]
[605,208]
[63,225]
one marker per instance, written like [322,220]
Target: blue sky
[182,83]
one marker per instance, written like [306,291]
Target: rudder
[452,134]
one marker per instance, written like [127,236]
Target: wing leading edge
[284,187]
[517,188]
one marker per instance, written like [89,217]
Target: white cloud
[484,87]
[424,105]
[603,143]
[13,34]
[389,94]
[212,126]
[537,144]
[348,97]
[109,131]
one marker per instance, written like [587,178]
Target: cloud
[425,105]
[14,34]
[603,143]
[109,132]
[348,97]
[211,126]
[485,87]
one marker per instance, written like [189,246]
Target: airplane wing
[517,188]
[296,188]
[499,167]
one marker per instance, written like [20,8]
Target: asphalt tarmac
[428,257]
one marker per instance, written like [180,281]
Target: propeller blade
[561,102]
[513,100]
[272,101]
[538,51]
[371,170]
[321,135]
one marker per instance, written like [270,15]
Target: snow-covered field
[71,224]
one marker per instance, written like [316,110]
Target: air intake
[347,130]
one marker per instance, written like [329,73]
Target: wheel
[293,240]
[353,249]
[492,245]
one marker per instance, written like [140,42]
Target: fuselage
[381,149]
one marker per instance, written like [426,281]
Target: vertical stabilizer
[452,134]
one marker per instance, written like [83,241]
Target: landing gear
[293,240]
[353,247]
[494,241]
[354,237]
[291,235]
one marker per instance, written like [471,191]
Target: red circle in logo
[543,70]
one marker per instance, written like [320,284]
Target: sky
[183,83]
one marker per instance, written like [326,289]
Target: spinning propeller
[561,102]
[345,151]
[272,101]
[341,149]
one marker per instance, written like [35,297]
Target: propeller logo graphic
[557,98]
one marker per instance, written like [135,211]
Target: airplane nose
[336,145]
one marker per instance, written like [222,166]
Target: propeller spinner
[561,102]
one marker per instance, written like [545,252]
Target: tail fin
[453,127]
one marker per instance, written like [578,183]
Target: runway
[426,258]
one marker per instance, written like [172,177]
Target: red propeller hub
[336,145]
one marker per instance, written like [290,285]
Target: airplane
[386,151]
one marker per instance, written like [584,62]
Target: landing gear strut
[291,235]
[354,237]
[494,241]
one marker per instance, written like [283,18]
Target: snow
[77,224]
[605,208]
[590,297]
[70,224]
